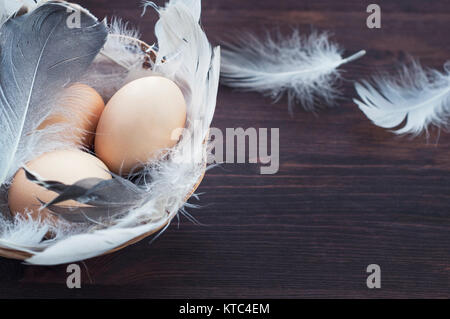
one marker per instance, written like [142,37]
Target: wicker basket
[150,56]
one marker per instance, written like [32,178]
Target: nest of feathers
[124,209]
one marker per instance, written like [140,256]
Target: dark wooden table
[348,194]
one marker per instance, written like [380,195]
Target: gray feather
[106,198]
[40,54]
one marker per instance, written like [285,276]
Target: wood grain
[348,194]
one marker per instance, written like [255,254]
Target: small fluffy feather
[305,68]
[22,233]
[419,96]
[26,234]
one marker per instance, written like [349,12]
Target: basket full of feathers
[100,177]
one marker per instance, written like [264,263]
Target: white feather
[8,8]
[419,96]
[195,7]
[304,68]
[88,245]
[22,234]
[185,41]
[26,234]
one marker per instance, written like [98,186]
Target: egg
[81,108]
[140,121]
[65,166]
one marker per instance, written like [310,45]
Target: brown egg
[82,107]
[142,119]
[66,166]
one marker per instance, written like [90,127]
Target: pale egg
[143,118]
[81,107]
[65,166]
